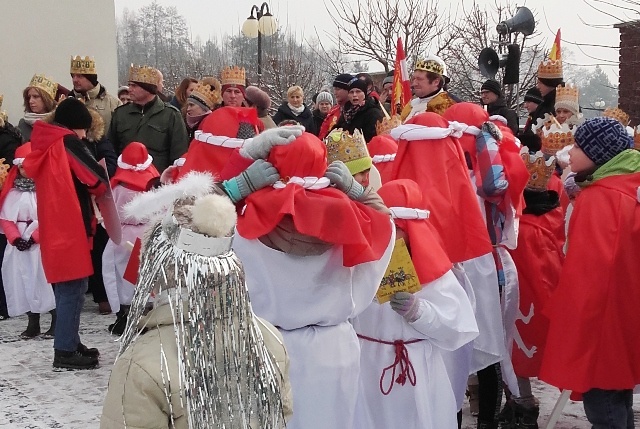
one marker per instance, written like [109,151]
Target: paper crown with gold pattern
[567,97]
[618,114]
[429,65]
[44,83]
[555,136]
[144,74]
[348,148]
[387,124]
[233,76]
[550,69]
[540,169]
[84,65]
[4,171]
[207,92]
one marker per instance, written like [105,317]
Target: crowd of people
[328,266]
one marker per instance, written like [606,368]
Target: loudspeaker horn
[488,63]
[522,22]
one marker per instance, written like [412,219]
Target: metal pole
[259,55]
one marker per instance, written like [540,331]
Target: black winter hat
[342,81]
[534,95]
[150,88]
[73,114]
[493,86]
[551,82]
[358,83]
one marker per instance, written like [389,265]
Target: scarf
[351,111]
[31,118]
[296,110]
[194,120]
[24,184]
[626,162]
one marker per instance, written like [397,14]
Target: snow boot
[89,352]
[33,328]
[118,327]
[51,332]
[73,360]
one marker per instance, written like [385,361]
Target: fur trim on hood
[97,130]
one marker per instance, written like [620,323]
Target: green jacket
[159,126]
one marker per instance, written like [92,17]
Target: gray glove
[260,146]
[406,305]
[259,175]
[340,176]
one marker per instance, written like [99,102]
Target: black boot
[507,417]
[33,328]
[118,327]
[51,332]
[86,351]
[73,360]
[487,425]
[527,418]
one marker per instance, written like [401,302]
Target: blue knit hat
[602,138]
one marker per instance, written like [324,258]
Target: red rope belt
[407,372]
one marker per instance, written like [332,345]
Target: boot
[33,328]
[73,360]
[104,307]
[473,395]
[118,327]
[52,329]
[487,425]
[89,352]
[527,417]
[507,417]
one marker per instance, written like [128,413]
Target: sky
[306,18]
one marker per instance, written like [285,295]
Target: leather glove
[260,146]
[21,244]
[406,305]
[259,175]
[340,176]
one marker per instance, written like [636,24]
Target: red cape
[439,167]
[383,144]
[538,259]
[330,121]
[65,247]
[594,317]
[556,184]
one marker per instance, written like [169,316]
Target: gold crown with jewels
[144,74]
[44,83]
[429,65]
[540,169]
[618,114]
[233,76]
[387,124]
[348,148]
[84,65]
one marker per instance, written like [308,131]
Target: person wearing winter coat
[257,98]
[324,103]
[39,100]
[360,112]
[491,96]
[87,88]
[295,109]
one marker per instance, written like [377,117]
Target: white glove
[260,146]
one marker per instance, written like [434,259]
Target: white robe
[419,105]
[446,323]
[310,299]
[116,257]
[25,284]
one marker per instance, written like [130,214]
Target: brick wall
[629,78]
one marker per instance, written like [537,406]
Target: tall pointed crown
[84,65]
[540,169]
[144,74]
[348,148]
[550,69]
[44,83]
[233,76]
[618,114]
[429,65]
[555,136]
[387,124]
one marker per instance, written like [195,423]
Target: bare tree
[370,28]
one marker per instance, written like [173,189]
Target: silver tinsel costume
[227,377]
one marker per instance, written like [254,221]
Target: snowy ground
[33,396]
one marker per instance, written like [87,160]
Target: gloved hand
[260,146]
[168,175]
[259,175]
[21,244]
[406,305]
[340,176]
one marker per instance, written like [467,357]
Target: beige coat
[136,392]
[103,102]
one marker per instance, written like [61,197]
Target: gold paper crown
[555,136]
[348,148]
[387,124]
[233,76]
[540,170]
[208,92]
[615,113]
[144,74]
[44,83]
[84,65]
[567,93]
[550,69]
[429,65]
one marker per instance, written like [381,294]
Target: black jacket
[365,120]
[499,107]
[528,137]
[318,119]
[305,118]
[10,139]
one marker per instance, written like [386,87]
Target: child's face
[362,177]
[579,161]
[563,114]
[21,171]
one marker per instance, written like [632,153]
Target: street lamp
[255,26]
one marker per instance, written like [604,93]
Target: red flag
[556,53]
[401,84]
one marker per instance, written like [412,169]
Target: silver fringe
[227,376]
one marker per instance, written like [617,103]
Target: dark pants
[96,284]
[489,393]
[69,302]
[3,299]
[609,409]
